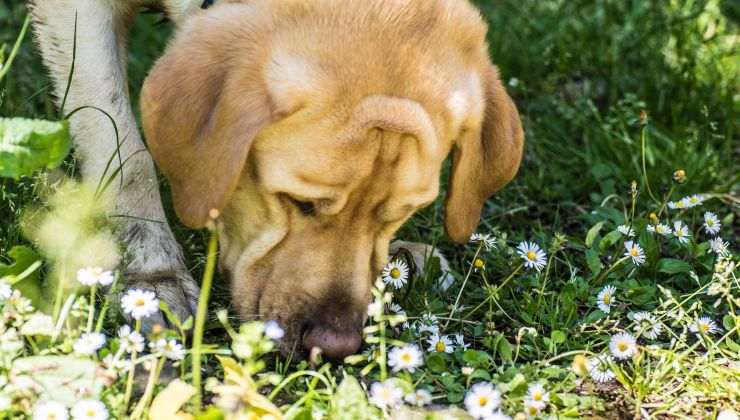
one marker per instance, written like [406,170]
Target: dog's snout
[334,344]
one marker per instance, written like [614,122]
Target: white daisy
[482,399]
[711,223]
[694,200]
[396,273]
[704,325]
[727,415]
[89,343]
[89,410]
[679,205]
[429,324]
[623,345]
[49,410]
[396,309]
[131,340]
[599,368]
[408,357]
[605,299]
[419,398]
[635,252]
[440,344]
[170,349]
[626,230]
[681,232]
[5,291]
[719,247]
[273,330]
[647,325]
[660,228]
[385,394]
[488,241]
[139,303]
[537,393]
[460,341]
[532,408]
[91,276]
[533,256]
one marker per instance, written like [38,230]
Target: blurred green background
[580,71]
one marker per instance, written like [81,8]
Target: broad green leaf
[558,337]
[593,261]
[29,285]
[60,377]
[505,350]
[27,146]
[591,235]
[436,363]
[349,402]
[609,239]
[673,266]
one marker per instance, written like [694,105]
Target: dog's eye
[306,207]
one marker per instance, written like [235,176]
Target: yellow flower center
[531,256]
[634,252]
[532,410]
[703,327]
[139,302]
[395,273]
[90,413]
[537,395]
[478,263]
[622,346]
[440,346]
[693,200]
[406,357]
[607,299]
[482,400]
[679,204]
[710,222]
[659,229]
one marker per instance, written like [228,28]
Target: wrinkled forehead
[329,155]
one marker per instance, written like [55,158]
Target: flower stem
[91,308]
[465,281]
[153,378]
[131,373]
[200,317]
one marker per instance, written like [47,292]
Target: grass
[615,97]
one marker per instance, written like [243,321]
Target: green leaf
[349,402]
[593,261]
[558,337]
[61,377]
[673,266]
[30,285]
[728,322]
[505,349]
[436,363]
[27,146]
[610,239]
[591,235]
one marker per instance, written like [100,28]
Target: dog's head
[317,128]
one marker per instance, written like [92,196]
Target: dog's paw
[422,254]
[178,290]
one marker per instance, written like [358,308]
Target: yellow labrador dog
[317,128]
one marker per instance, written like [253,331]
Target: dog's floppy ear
[484,160]
[202,106]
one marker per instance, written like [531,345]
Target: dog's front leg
[154,259]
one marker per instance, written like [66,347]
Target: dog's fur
[315,127]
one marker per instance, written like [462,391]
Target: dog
[315,128]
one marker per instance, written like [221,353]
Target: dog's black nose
[334,344]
